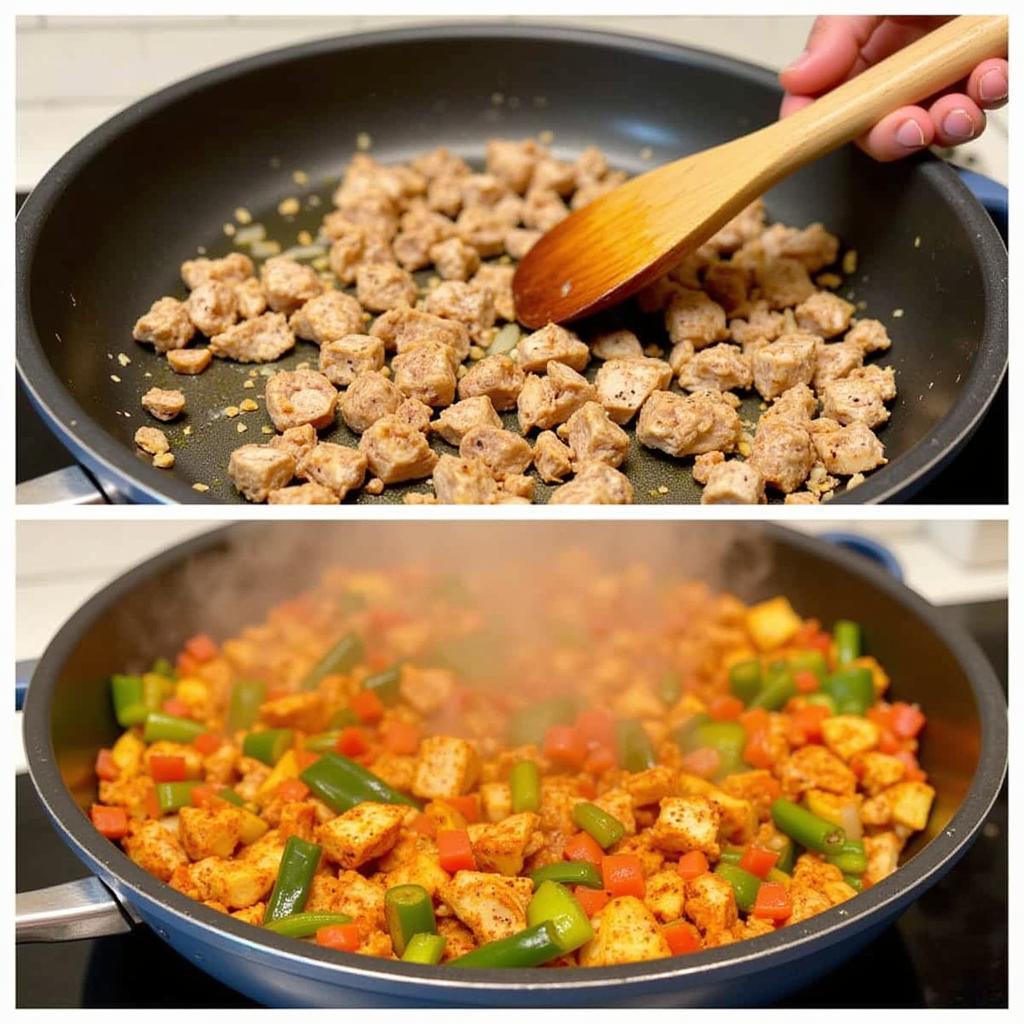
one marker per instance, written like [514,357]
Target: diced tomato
[887,742]
[467,806]
[758,861]
[203,796]
[583,846]
[725,709]
[692,865]
[186,664]
[564,745]
[906,720]
[424,824]
[806,722]
[818,641]
[111,822]
[399,736]
[351,741]
[292,790]
[806,681]
[455,851]
[152,805]
[754,720]
[597,727]
[599,760]
[208,742]
[681,937]
[808,628]
[704,761]
[173,706]
[105,767]
[772,902]
[880,714]
[201,647]
[367,706]
[591,900]
[385,618]
[339,936]
[167,768]
[623,875]
[757,752]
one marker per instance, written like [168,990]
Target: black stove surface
[948,950]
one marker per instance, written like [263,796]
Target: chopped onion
[849,818]
[250,233]
[304,252]
[505,340]
[263,249]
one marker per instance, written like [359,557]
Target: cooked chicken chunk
[454,422]
[259,340]
[784,364]
[847,450]
[288,284]
[824,314]
[454,259]
[303,494]
[552,459]
[593,437]
[166,326]
[595,483]
[548,400]
[345,358]
[404,328]
[189,362]
[835,361]
[552,343]
[369,397]
[335,466]
[235,267]
[784,282]
[382,286]
[459,301]
[850,400]
[213,307]
[258,469]
[327,317]
[782,453]
[623,385]
[163,404]
[295,397]
[717,368]
[620,344]
[426,372]
[733,483]
[498,377]
[500,450]
[695,317]
[396,451]
[687,425]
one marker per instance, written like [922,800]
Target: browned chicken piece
[703,464]
[784,282]
[154,848]
[733,483]
[543,208]
[345,358]
[213,307]
[869,336]
[362,833]
[448,766]
[717,368]
[824,314]
[593,437]
[729,285]
[347,250]
[426,372]
[484,228]
[235,267]
[552,459]
[519,241]
[502,846]
[687,272]
[552,342]
[760,325]
[414,413]
[688,424]
[710,903]
[813,246]
[785,364]
[498,377]
[500,450]
[624,384]
[747,224]
[548,400]
[427,690]
[592,190]
[444,194]
[482,190]
[288,284]
[295,397]
[262,339]
[404,328]
[814,767]
[621,344]
[250,298]
[189,362]
[882,378]
[152,440]
[454,259]
[464,481]
[303,494]
[163,404]
[782,452]
[258,469]
[686,823]
[853,400]
[802,498]
[296,441]
[625,931]
[421,231]
[166,326]
[396,451]
[369,397]
[459,301]
[492,906]
[339,468]
[557,175]
[205,832]
[350,893]
[847,450]
[797,403]
[513,162]
[695,317]
[438,162]
[328,317]
[835,361]
[499,280]
[382,286]
[595,483]
[453,422]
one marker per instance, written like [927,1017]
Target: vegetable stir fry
[625,768]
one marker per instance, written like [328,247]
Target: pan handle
[68,486]
[83,909]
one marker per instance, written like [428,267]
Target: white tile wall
[73,72]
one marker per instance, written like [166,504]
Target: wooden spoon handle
[936,61]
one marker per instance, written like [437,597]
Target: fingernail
[798,62]
[957,124]
[909,134]
[993,86]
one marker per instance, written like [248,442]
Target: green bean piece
[268,745]
[227,793]
[155,690]
[294,877]
[787,855]
[852,689]
[408,912]
[524,783]
[342,657]
[323,741]
[809,661]
[598,824]
[301,926]
[129,700]
[670,687]
[343,717]
[685,735]
[778,688]
[341,784]
[745,680]
[172,796]
[161,726]
[529,724]
[744,884]
[162,667]
[806,828]
[846,635]
[728,738]
[244,705]
[424,949]
[851,858]
[854,882]
[554,903]
[529,948]
[731,854]
[568,872]
[636,752]
[385,684]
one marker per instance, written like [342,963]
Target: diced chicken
[814,767]
[348,249]
[824,314]
[303,494]
[543,209]
[785,364]
[454,422]
[454,259]
[152,440]
[545,401]
[154,848]
[426,372]
[552,459]
[825,878]
[262,339]
[814,247]
[846,450]
[492,906]
[552,342]
[835,361]
[448,766]
[258,469]
[782,452]
[847,735]
[710,904]
[163,404]
[883,379]
[853,400]
[716,368]
[625,931]
[288,284]
[502,846]
[758,788]
[688,424]
[296,441]
[464,481]
[250,298]
[687,823]
[621,344]
[784,282]
[209,833]
[883,854]
[498,280]
[396,451]
[796,403]
[189,362]
[420,868]
[650,785]
[513,162]
[213,307]
[235,267]
[595,483]
[483,228]
[880,771]
[426,690]
[414,413]
[500,450]
[623,385]
[350,893]
[234,883]
[362,833]
[733,483]
[665,895]
[461,302]
[335,466]
[368,398]
[327,317]
[498,377]
[703,464]
[519,241]
[382,286]
[695,317]
[911,803]
[421,231]
[760,326]
[869,336]
[297,397]
[807,902]
[165,326]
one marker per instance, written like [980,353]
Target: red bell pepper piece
[623,875]
[757,752]
[111,822]
[772,902]
[725,708]
[105,767]
[400,737]
[754,720]
[758,861]
[367,706]
[704,761]
[806,681]
[906,720]
[351,741]
[599,760]
[467,806]
[455,851]
[152,805]
[692,865]
[203,796]
[173,706]
[597,727]
[681,937]
[292,790]
[165,768]
[186,664]
[564,745]
[591,900]
[339,936]
[208,742]
[201,647]
[424,824]
[887,742]
[584,846]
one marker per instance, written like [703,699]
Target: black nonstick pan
[250,567]
[103,234]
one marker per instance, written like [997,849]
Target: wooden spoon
[632,235]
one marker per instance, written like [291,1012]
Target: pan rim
[124,876]
[134,479]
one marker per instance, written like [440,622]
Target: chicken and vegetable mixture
[647,770]
[435,378]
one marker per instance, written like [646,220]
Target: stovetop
[948,950]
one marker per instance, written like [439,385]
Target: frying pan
[68,717]
[103,234]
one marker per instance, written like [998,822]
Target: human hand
[839,48]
